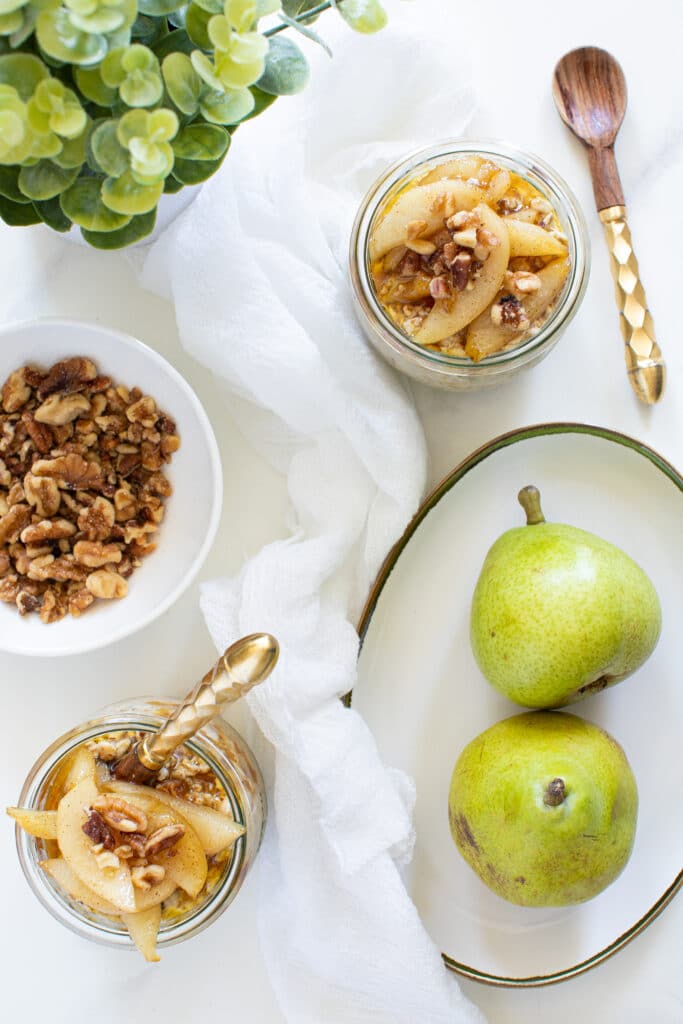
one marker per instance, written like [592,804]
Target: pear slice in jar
[484,337]
[112,884]
[448,316]
[532,240]
[143,928]
[431,204]
[41,824]
[215,830]
[466,166]
[82,766]
[58,869]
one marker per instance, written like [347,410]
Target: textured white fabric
[257,272]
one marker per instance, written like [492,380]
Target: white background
[50,974]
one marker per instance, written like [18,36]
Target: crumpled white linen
[257,271]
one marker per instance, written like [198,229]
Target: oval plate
[424,698]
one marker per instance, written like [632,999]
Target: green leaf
[138,228]
[172,185]
[125,195]
[143,90]
[18,215]
[158,8]
[193,172]
[196,21]
[73,151]
[51,213]
[24,72]
[212,6]
[182,82]
[201,142]
[262,100]
[82,204]
[148,30]
[45,180]
[9,185]
[286,70]
[363,15]
[227,108]
[58,38]
[108,152]
[174,42]
[177,19]
[92,86]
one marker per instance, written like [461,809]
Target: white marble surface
[51,974]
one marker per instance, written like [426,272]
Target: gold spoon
[589,90]
[244,665]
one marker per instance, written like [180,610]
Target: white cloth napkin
[257,271]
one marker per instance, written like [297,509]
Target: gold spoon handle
[244,665]
[644,364]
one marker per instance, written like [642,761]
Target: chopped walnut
[58,409]
[70,471]
[47,529]
[43,494]
[522,282]
[106,585]
[15,391]
[163,839]
[68,376]
[95,554]
[119,814]
[13,522]
[146,876]
[510,312]
[97,520]
[97,829]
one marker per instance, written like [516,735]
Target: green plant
[107,104]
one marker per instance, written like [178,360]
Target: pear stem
[554,793]
[530,499]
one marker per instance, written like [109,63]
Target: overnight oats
[150,863]
[465,262]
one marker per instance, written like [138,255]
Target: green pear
[543,807]
[558,613]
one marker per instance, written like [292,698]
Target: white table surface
[50,974]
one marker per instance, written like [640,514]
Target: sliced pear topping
[108,877]
[58,869]
[215,830]
[143,928]
[83,766]
[41,824]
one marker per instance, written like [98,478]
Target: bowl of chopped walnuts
[110,486]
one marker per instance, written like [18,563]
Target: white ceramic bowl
[192,512]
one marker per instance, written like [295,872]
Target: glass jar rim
[525,163]
[66,911]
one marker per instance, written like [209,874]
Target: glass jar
[220,747]
[440,369]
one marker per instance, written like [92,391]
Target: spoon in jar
[589,90]
[244,665]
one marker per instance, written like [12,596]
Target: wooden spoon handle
[644,363]
[605,174]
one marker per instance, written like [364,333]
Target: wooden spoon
[589,90]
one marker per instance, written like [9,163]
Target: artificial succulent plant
[105,105]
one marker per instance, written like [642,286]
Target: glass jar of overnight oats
[129,865]
[468,260]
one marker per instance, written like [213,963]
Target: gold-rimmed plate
[425,699]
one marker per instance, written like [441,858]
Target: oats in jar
[82,486]
[140,854]
[468,258]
